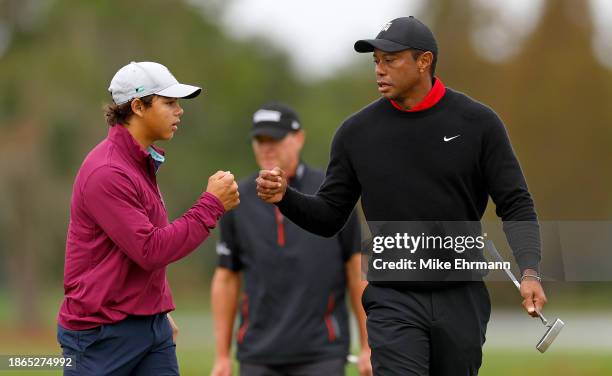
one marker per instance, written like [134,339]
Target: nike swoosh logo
[447,139]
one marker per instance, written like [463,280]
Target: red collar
[435,94]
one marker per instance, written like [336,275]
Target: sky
[319,34]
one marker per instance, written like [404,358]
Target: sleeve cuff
[227,263]
[213,209]
[286,200]
[529,260]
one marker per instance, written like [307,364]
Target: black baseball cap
[275,120]
[401,34]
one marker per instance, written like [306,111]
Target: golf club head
[550,335]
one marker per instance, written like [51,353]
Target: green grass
[195,348]
[497,362]
[565,363]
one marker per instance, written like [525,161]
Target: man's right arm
[325,212]
[112,200]
[225,291]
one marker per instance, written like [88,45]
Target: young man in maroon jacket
[113,319]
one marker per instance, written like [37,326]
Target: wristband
[531,276]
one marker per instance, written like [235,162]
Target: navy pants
[427,333]
[138,345]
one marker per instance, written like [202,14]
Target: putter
[552,329]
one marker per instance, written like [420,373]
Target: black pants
[427,333]
[330,367]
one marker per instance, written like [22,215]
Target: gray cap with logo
[137,80]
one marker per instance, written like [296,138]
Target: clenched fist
[271,185]
[223,186]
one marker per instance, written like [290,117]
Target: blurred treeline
[553,96]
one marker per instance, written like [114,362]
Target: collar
[158,158]
[431,99]
[119,135]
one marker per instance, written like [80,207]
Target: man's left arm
[174,327]
[356,285]
[350,241]
[514,205]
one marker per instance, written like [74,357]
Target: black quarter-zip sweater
[440,164]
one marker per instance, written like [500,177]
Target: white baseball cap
[137,80]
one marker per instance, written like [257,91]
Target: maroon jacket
[119,239]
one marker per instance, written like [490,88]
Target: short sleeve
[228,250]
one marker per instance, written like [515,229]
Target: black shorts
[427,333]
[329,367]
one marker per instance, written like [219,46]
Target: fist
[271,185]
[533,295]
[223,186]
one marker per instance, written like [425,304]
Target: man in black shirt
[294,319]
[422,152]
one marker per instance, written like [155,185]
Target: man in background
[294,319]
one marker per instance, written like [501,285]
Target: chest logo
[447,139]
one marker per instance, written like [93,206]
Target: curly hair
[121,113]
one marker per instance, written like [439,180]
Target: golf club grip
[496,254]
[545,342]
[512,277]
